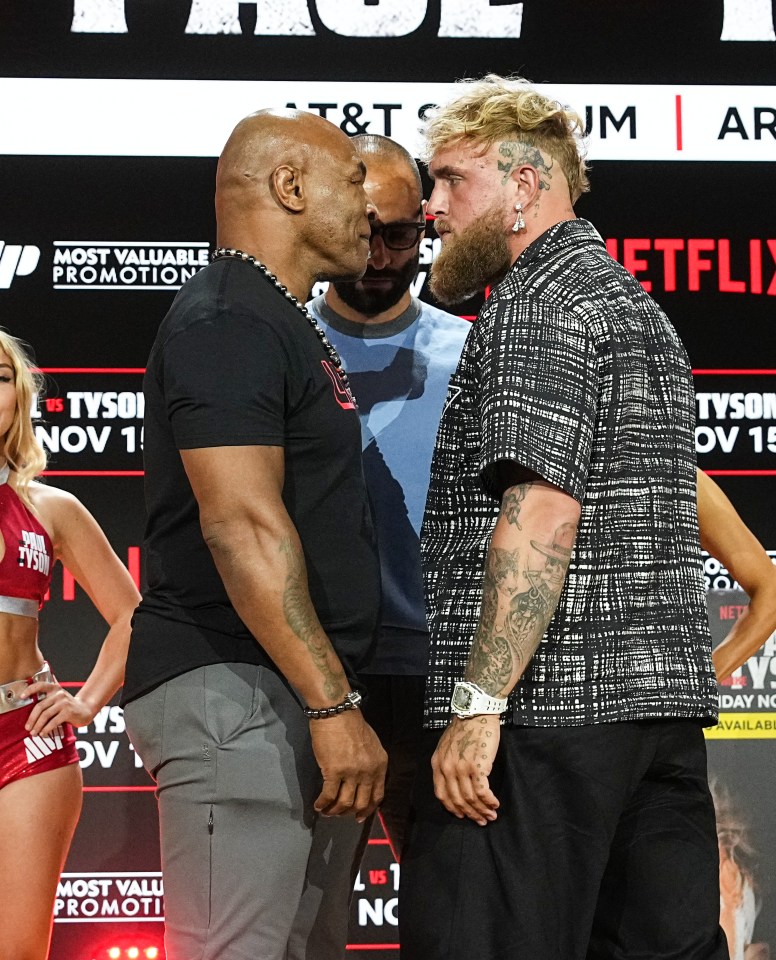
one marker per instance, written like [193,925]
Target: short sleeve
[225,383]
[539,381]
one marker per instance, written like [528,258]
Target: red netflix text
[676,263]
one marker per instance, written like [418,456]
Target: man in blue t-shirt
[399,354]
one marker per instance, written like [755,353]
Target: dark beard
[372,302]
[471,259]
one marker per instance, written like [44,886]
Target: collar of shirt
[558,238]
[367,331]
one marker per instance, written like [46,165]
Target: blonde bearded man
[583,827]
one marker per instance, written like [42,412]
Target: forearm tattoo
[521,590]
[301,618]
[515,153]
[490,658]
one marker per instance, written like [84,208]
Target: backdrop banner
[112,113]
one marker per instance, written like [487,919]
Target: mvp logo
[39,747]
[16,261]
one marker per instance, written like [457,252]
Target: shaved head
[290,191]
[260,144]
[374,146]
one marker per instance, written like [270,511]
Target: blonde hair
[21,448]
[508,108]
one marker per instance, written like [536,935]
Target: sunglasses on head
[399,235]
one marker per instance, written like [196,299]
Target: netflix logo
[695,264]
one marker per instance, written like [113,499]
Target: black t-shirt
[235,364]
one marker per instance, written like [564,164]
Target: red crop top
[25,570]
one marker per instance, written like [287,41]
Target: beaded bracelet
[352,701]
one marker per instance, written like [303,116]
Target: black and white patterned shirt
[573,371]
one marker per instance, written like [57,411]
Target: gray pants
[246,874]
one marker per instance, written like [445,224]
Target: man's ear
[287,187]
[526,181]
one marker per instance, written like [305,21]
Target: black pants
[394,708]
[604,848]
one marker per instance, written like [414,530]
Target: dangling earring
[520,222]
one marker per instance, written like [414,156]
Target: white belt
[12,694]
[21,606]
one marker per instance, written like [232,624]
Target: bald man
[263,584]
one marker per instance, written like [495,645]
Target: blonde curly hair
[508,108]
[20,447]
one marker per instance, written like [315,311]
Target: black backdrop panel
[642,41]
[111,233]
[117,235]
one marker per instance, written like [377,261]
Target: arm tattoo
[518,603]
[301,618]
[490,658]
[516,153]
[513,498]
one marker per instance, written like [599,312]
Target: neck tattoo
[223,252]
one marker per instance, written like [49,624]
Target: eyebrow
[446,171]
[8,366]
[362,168]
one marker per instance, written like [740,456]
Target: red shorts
[22,755]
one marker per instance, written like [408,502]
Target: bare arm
[259,557]
[725,536]
[83,548]
[525,570]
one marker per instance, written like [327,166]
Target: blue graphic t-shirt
[399,371]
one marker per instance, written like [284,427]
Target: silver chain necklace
[223,252]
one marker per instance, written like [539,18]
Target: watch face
[462,699]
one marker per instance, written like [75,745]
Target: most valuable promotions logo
[16,260]
[119,265]
[38,748]
[109,897]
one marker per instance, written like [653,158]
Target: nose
[380,255]
[371,209]
[437,206]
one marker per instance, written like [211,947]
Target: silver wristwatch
[469,700]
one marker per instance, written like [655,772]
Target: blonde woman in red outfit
[40,779]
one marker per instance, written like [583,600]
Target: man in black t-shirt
[263,584]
